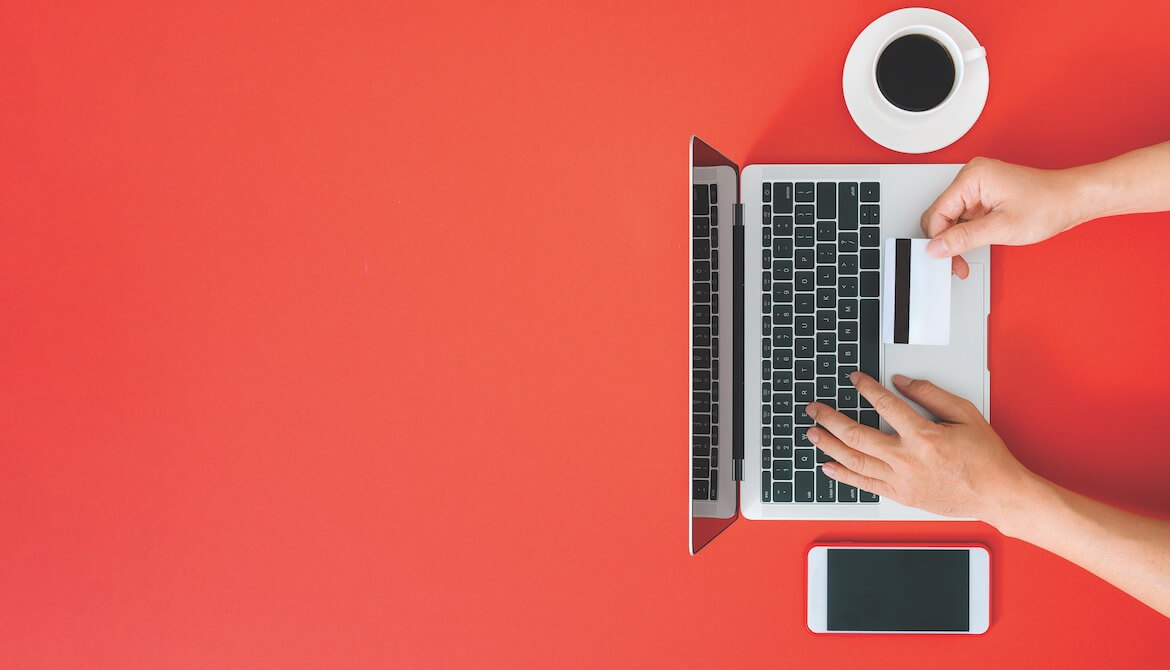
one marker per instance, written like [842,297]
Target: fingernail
[811,411]
[901,380]
[937,248]
[853,377]
[812,435]
[828,469]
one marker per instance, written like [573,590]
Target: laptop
[786,294]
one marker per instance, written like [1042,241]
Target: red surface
[340,336]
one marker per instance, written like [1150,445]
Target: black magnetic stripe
[902,291]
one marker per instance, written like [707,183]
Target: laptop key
[871,237]
[782,404]
[700,199]
[805,393]
[870,417]
[847,265]
[847,243]
[782,380]
[766,486]
[847,354]
[803,486]
[870,340]
[826,253]
[826,488]
[822,457]
[782,197]
[782,448]
[701,468]
[847,206]
[782,492]
[701,314]
[701,380]
[702,270]
[699,491]
[767,191]
[826,275]
[827,388]
[781,469]
[782,336]
[870,191]
[782,225]
[702,336]
[714,485]
[826,298]
[701,358]
[805,326]
[870,284]
[846,493]
[870,259]
[846,398]
[805,191]
[806,303]
[826,200]
[806,236]
[826,320]
[805,215]
[826,231]
[805,459]
[701,445]
[826,343]
[805,259]
[866,496]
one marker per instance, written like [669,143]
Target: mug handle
[974,54]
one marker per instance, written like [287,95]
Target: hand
[958,467]
[992,202]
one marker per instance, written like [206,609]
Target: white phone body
[895,593]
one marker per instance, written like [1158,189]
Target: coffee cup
[919,68]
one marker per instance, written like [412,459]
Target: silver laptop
[786,296]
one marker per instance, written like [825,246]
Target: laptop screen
[714,503]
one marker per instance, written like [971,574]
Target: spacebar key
[870,338]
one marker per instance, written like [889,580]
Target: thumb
[943,404]
[965,236]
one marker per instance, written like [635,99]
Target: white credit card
[916,294]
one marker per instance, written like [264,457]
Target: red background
[342,336]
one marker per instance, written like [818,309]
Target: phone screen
[898,590]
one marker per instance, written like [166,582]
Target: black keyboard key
[766,488]
[870,259]
[870,284]
[783,314]
[782,404]
[781,359]
[782,247]
[847,265]
[782,197]
[701,226]
[782,225]
[827,388]
[782,492]
[822,457]
[714,217]
[826,275]
[701,270]
[826,231]
[701,402]
[806,236]
[701,314]
[847,398]
[805,393]
[701,468]
[801,438]
[805,326]
[806,303]
[805,259]
[702,291]
[846,493]
[847,286]
[826,298]
[826,254]
[805,459]
[766,347]
[826,488]
[826,364]
[766,280]
[782,336]
[767,257]
[806,280]
[805,370]
[847,206]
[701,248]
[826,343]
[782,380]
[847,331]
[701,358]
[847,243]
[805,191]
[847,308]
[870,342]
[826,320]
[714,194]
[804,487]
[847,355]
[870,191]
[781,271]
[781,469]
[782,447]
[805,347]
[701,380]
[702,336]
[870,215]
[700,200]
[867,497]
[805,215]
[714,484]
[699,491]
[700,424]
[767,191]
[782,425]
[826,200]
[701,445]
[871,237]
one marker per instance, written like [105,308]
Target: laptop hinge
[737,359]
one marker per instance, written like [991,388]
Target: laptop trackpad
[961,366]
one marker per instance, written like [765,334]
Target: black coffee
[915,73]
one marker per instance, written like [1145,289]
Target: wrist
[1013,508]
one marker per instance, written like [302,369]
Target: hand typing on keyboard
[959,466]
[956,468]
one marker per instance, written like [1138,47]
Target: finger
[852,459]
[959,267]
[963,237]
[849,478]
[851,434]
[943,404]
[960,198]
[893,409]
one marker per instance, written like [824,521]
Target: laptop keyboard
[821,280]
[705,352]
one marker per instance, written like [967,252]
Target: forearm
[1134,182]
[1128,550]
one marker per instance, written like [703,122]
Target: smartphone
[899,589]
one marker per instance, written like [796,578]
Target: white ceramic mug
[958,58]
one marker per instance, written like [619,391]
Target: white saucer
[905,132]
